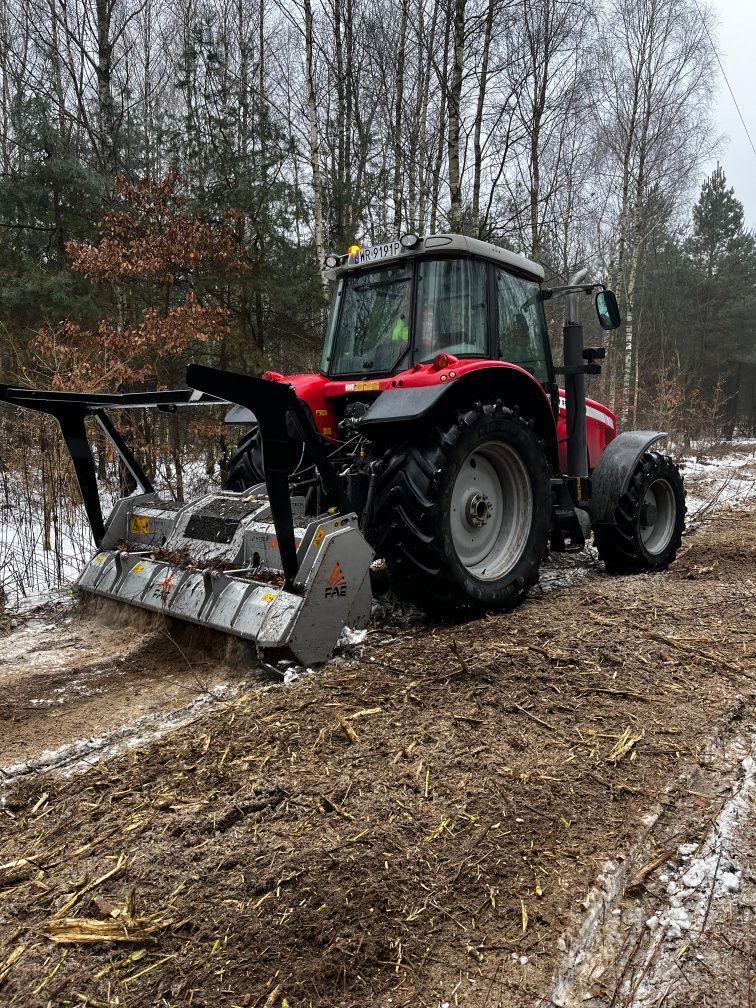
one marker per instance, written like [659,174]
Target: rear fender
[611,477]
[387,419]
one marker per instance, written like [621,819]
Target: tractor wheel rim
[491,511]
[658,514]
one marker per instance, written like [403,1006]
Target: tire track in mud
[646,925]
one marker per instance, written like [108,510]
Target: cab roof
[441,243]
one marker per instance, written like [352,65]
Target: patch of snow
[716,481]
[351,638]
[566,575]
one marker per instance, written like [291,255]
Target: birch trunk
[104,73]
[455,100]
[478,150]
[399,86]
[312,119]
[438,160]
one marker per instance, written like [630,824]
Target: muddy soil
[73,674]
[431,822]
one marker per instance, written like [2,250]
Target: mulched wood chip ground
[416,826]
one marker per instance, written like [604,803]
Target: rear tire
[462,515]
[649,519]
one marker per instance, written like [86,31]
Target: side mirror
[607,310]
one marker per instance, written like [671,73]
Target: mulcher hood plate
[215,562]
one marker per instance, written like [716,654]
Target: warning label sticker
[140,525]
[336,586]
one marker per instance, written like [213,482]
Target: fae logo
[337,586]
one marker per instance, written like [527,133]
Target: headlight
[409,240]
[332,261]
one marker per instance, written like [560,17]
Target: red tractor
[434,435]
[439,405]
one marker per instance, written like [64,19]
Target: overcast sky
[737,50]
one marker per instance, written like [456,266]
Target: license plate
[386,251]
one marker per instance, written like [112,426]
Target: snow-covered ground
[29,572]
[725,476]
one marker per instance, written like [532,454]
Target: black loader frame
[275,406]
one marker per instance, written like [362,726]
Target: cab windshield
[368,330]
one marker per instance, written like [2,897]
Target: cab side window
[521,323]
[451,308]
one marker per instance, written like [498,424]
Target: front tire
[649,519]
[245,467]
[462,515]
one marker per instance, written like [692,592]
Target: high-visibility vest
[400,332]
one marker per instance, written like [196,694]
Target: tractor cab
[407,301]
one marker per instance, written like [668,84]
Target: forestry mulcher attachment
[434,436]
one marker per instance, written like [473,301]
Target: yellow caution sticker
[100,558]
[138,568]
[140,525]
[362,386]
[321,412]
[268,597]
[318,537]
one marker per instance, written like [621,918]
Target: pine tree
[717,223]
[724,255]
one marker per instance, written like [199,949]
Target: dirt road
[483,815]
[75,686]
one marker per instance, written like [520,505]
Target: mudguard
[402,406]
[395,410]
[611,477]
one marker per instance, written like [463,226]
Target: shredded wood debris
[418,821]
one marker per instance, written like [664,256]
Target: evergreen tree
[717,223]
[49,198]
[723,253]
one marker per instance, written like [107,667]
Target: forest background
[173,174]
